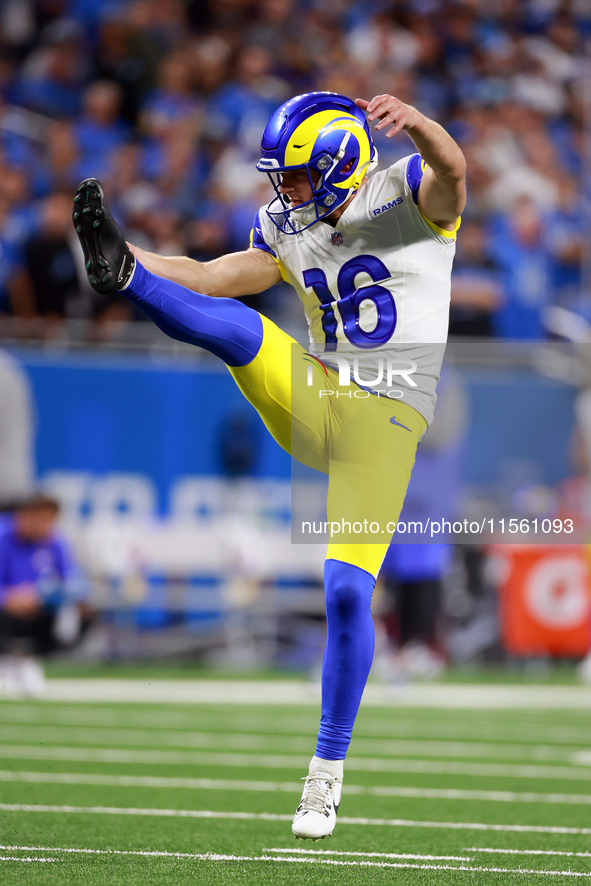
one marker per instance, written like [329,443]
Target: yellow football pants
[365,443]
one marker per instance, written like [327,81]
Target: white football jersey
[377,283]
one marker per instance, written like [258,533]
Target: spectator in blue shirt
[567,238]
[476,285]
[51,80]
[413,569]
[42,592]
[10,266]
[238,108]
[99,131]
[519,246]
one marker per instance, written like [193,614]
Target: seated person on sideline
[41,593]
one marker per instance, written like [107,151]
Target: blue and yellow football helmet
[320,131]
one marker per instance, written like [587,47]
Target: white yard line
[285,761]
[163,854]
[334,852]
[211,784]
[527,852]
[16,858]
[294,858]
[581,757]
[406,866]
[148,853]
[487,796]
[97,735]
[398,855]
[255,741]
[333,862]
[148,781]
[369,728]
[267,816]
[274,692]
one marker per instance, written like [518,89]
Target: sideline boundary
[267,816]
[299,692]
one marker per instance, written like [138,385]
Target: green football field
[445,784]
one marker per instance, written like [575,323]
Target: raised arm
[231,275]
[442,193]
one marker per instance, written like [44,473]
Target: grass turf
[141,778]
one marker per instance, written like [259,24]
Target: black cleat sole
[107,258]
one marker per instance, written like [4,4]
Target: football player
[370,257]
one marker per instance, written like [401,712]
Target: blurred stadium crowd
[165,101]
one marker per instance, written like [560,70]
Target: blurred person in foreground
[413,573]
[50,287]
[370,259]
[42,593]
[519,248]
[17,426]
[476,284]
[52,284]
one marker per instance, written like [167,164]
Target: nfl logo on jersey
[336,239]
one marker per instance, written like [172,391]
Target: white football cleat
[10,684]
[316,815]
[31,677]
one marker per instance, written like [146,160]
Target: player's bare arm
[231,275]
[110,261]
[442,193]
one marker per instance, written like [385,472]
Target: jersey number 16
[350,300]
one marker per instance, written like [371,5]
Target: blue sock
[348,654]
[223,326]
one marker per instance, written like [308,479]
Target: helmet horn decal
[321,132]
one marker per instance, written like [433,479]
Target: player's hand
[390,111]
[22,601]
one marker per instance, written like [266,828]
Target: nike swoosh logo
[399,423]
[297,147]
[120,277]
